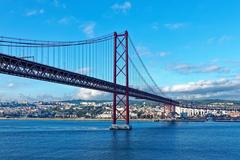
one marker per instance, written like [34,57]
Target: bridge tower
[120,75]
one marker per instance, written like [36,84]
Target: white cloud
[68,20]
[35,12]
[211,40]
[84,70]
[88,29]
[143,51]
[163,54]
[195,86]
[89,94]
[42,97]
[205,89]
[175,26]
[219,40]
[190,68]
[214,68]
[224,38]
[171,26]
[181,68]
[155,26]
[123,7]
[64,20]
[10,85]
[58,4]
[221,95]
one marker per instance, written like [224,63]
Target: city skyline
[189,46]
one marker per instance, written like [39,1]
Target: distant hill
[78,101]
[208,101]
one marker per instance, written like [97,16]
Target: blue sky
[192,48]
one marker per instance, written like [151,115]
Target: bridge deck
[24,68]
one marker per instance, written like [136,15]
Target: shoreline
[69,119]
[109,120]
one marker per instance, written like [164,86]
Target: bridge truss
[27,58]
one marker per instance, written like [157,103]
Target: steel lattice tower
[120,71]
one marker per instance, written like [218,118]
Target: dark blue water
[91,140]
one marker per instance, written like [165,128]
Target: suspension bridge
[109,63]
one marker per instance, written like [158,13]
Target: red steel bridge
[109,63]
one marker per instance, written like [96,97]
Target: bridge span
[115,68]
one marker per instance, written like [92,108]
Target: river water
[91,140]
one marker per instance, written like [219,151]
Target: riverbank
[109,120]
[69,119]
